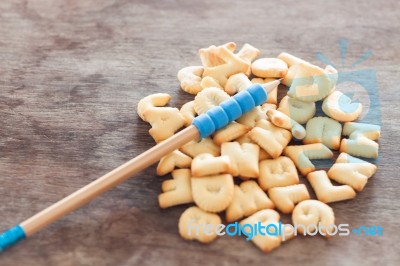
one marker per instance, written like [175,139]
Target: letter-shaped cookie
[355,130]
[338,106]
[311,83]
[246,139]
[213,193]
[325,191]
[237,83]
[248,53]
[233,65]
[175,159]
[323,130]
[285,198]
[210,56]
[299,111]
[311,213]
[289,59]
[206,164]
[243,157]
[206,145]
[230,132]
[280,119]
[302,154]
[279,172]
[188,112]
[268,241]
[250,118]
[192,225]
[269,137]
[361,142]
[248,198]
[209,98]
[177,190]
[292,62]
[208,82]
[269,68]
[351,171]
[164,121]
[190,79]
[152,101]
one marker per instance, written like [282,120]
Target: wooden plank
[71,74]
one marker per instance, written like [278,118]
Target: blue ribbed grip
[230,110]
[11,237]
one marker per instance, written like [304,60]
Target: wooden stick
[203,125]
[107,181]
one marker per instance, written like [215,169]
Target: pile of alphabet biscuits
[250,170]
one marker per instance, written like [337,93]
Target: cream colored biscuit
[325,191]
[280,119]
[205,164]
[355,130]
[248,53]
[233,65]
[237,83]
[292,62]
[302,154]
[248,198]
[340,107]
[313,212]
[267,106]
[269,68]
[311,83]
[192,225]
[268,241]
[285,198]
[213,193]
[176,191]
[262,155]
[164,121]
[351,171]
[208,82]
[206,145]
[269,137]
[323,130]
[230,132]
[361,147]
[188,112]
[289,59]
[279,172]
[299,111]
[331,72]
[272,94]
[190,79]
[152,101]
[250,118]
[175,159]
[209,98]
[361,142]
[243,157]
[288,232]
[210,57]
[290,75]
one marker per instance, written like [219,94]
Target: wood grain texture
[71,74]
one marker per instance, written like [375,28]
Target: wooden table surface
[71,74]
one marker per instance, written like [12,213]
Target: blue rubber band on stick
[11,237]
[229,110]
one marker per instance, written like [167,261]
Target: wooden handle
[108,181]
